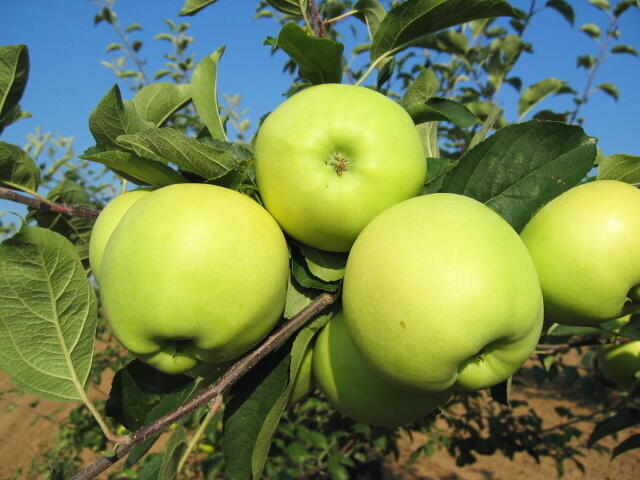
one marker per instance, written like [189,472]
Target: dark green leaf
[407,22]
[173,451]
[629,444]
[319,59]
[521,167]
[17,167]
[625,49]
[303,275]
[625,168]
[151,469]
[169,145]
[62,470]
[326,266]
[204,94]
[437,108]
[552,116]
[336,469]
[138,170]
[623,6]
[586,61]
[564,9]
[156,102]
[14,73]
[437,168]
[15,114]
[291,7]
[45,295]
[538,92]
[610,89]
[613,425]
[371,13]
[113,117]
[191,7]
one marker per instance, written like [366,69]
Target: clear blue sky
[67,80]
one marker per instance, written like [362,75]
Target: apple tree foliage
[445,62]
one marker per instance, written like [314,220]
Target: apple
[107,221]
[332,157]
[193,273]
[585,244]
[620,362]
[440,293]
[304,379]
[354,388]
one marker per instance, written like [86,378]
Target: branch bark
[46,206]
[221,385]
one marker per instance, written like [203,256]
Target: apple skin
[107,221]
[356,390]
[439,293]
[585,245]
[194,273]
[332,157]
[620,362]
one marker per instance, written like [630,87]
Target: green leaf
[151,469]
[564,9]
[552,116]
[302,274]
[601,4]
[191,7]
[425,86]
[17,167]
[48,314]
[591,29]
[138,170]
[14,73]
[537,92]
[521,167]
[291,7]
[319,59]
[437,108]
[586,61]
[625,168]
[327,266]
[173,451]
[409,21]
[169,145]
[623,6]
[448,41]
[613,425]
[61,470]
[203,93]
[156,102]
[629,444]
[610,89]
[625,49]
[138,388]
[437,168]
[371,13]
[297,298]
[429,137]
[113,117]
[15,114]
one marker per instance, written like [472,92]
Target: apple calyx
[339,162]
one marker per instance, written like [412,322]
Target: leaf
[564,9]
[425,86]
[601,4]
[303,275]
[151,469]
[623,6]
[48,314]
[625,168]
[17,167]
[501,393]
[521,167]
[173,451]
[371,13]
[169,145]
[61,470]
[138,170]
[407,22]
[625,49]
[15,114]
[14,73]
[113,117]
[319,60]
[537,92]
[203,93]
[297,298]
[591,29]
[291,7]
[327,266]
[138,388]
[437,168]
[610,89]
[191,7]
[629,444]
[437,108]
[613,425]
[156,102]
[586,61]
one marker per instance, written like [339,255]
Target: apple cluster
[439,293]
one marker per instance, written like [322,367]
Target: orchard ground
[26,434]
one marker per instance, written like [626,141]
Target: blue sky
[67,80]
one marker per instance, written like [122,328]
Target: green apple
[331,158]
[193,273]
[585,244]
[107,221]
[620,362]
[348,381]
[439,293]
[304,379]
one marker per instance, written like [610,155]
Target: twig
[565,346]
[237,370]
[213,409]
[316,21]
[47,206]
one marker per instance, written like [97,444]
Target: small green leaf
[425,86]
[151,469]
[14,73]
[297,298]
[327,266]
[625,49]
[45,295]
[613,425]
[436,109]
[601,4]
[303,275]
[437,168]
[291,7]
[319,59]
[623,6]
[586,61]
[204,94]
[538,92]
[17,167]
[610,89]
[169,145]
[191,7]
[564,9]
[173,451]
[371,13]
[156,102]
[591,29]
[625,168]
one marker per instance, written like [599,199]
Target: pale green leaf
[591,29]
[156,102]
[371,13]
[190,7]
[203,93]
[601,4]
[425,86]
[610,89]
[625,49]
[17,167]
[327,266]
[625,168]
[537,92]
[14,73]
